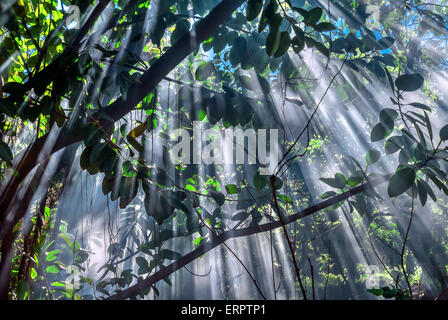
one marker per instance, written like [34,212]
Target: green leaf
[340,180]
[353,181]
[322,48]
[389,77]
[204,71]
[167,281]
[144,267]
[278,183]
[403,157]
[126,276]
[198,240]
[389,293]
[285,198]
[92,135]
[138,131]
[158,207]
[81,256]
[372,156]
[216,108]
[135,144]
[273,41]
[33,273]
[297,45]
[22,289]
[218,197]
[182,27]
[339,45]
[260,181]
[422,193]
[401,181]
[428,189]
[387,59]
[420,135]
[325,26]
[170,255]
[428,126]
[328,194]
[444,133]
[52,269]
[177,203]
[238,51]
[335,206]
[253,9]
[141,262]
[5,153]
[377,292]
[337,182]
[314,16]
[299,33]
[58,284]
[46,104]
[393,144]
[379,132]
[388,115]
[409,82]
[330,181]
[52,255]
[232,189]
[267,14]
[420,106]
[285,41]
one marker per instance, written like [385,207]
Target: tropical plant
[92,93]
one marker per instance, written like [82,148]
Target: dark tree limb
[215,242]
[149,80]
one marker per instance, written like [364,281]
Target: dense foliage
[355,88]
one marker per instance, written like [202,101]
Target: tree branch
[215,242]
[118,109]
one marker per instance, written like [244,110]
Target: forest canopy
[233,149]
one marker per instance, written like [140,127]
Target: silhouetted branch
[215,242]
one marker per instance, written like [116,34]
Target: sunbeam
[223,150]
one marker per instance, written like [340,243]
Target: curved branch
[215,242]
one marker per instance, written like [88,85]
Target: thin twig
[404,245]
[233,253]
[285,231]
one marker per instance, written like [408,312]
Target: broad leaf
[401,181]
[409,82]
